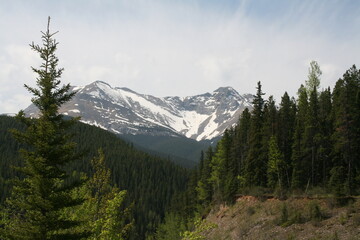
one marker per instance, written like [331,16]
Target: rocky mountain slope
[123,111]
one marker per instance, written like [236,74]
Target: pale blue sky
[180,47]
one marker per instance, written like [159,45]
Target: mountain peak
[123,111]
[226,90]
[99,82]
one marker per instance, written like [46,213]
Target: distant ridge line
[8,114]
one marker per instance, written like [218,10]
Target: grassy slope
[251,218]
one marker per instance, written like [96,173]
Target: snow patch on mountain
[124,111]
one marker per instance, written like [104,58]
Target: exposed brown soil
[297,218]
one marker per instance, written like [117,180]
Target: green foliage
[150,182]
[285,135]
[131,170]
[276,165]
[311,138]
[346,136]
[255,164]
[8,150]
[200,227]
[112,225]
[289,216]
[34,208]
[299,177]
[250,211]
[284,214]
[172,227]
[311,143]
[183,151]
[343,218]
[313,81]
[103,212]
[356,219]
[335,236]
[315,213]
[240,146]
[302,145]
[305,145]
[223,169]
[337,179]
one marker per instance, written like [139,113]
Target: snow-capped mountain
[124,111]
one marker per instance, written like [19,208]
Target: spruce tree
[346,135]
[255,166]
[242,141]
[204,187]
[37,201]
[286,132]
[298,179]
[222,170]
[231,182]
[326,130]
[312,138]
[269,127]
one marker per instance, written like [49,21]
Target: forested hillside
[183,151]
[300,147]
[92,159]
[150,182]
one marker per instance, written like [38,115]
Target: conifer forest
[63,179]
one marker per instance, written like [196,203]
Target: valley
[180,120]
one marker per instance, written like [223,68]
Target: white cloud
[182,47]
[11,105]
[15,71]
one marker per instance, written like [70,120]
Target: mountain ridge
[124,111]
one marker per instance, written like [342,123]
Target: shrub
[250,211]
[284,217]
[356,220]
[315,211]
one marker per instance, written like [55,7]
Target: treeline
[150,182]
[311,141]
[299,146]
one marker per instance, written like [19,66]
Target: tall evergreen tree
[231,182]
[269,128]
[346,135]
[312,138]
[204,187]
[255,166]
[286,132]
[222,170]
[241,142]
[326,130]
[298,179]
[37,201]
